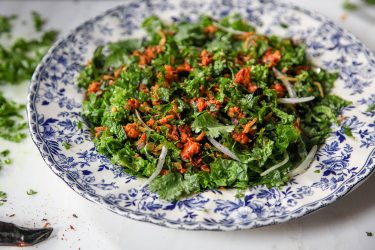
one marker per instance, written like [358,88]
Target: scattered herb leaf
[6,24]
[66,145]
[347,131]
[347,5]
[38,21]
[31,192]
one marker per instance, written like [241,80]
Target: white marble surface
[342,225]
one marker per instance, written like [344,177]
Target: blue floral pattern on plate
[54,107]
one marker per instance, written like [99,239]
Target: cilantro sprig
[206,122]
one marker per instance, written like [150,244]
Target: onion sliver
[222,148]
[280,164]
[140,119]
[229,30]
[159,166]
[286,83]
[295,100]
[305,164]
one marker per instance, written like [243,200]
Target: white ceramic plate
[55,103]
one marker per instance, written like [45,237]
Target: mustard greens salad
[207,105]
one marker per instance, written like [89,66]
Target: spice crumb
[75,216]
[12,215]
[369,234]
[344,17]
[71,227]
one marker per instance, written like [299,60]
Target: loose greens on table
[207,105]
[17,64]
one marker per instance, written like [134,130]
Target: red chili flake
[252,88]
[210,29]
[243,76]
[247,127]
[201,104]
[184,67]
[150,122]
[205,168]
[133,103]
[235,112]
[93,87]
[118,71]
[172,133]
[206,58]
[164,172]
[301,68]
[131,130]
[200,136]
[190,148]
[240,137]
[169,73]
[296,125]
[271,58]
[279,89]
[165,119]
[99,130]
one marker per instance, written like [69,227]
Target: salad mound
[206,105]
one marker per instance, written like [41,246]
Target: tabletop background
[342,225]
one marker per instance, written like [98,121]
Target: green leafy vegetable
[3,198]
[38,21]
[66,145]
[6,24]
[31,192]
[19,61]
[347,131]
[347,5]
[12,123]
[4,160]
[190,82]
[206,122]
[174,185]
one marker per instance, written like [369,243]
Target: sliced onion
[229,30]
[280,164]
[286,83]
[159,166]
[295,100]
[140,119]
[305,164]
[222,148]
[317,69]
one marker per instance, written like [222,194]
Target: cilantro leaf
[262,150]
[347,131]
[173,185]
[3,198]
[227,173]
[285,135]
[31,192]
[6,23]
[206,122]
[38,21]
